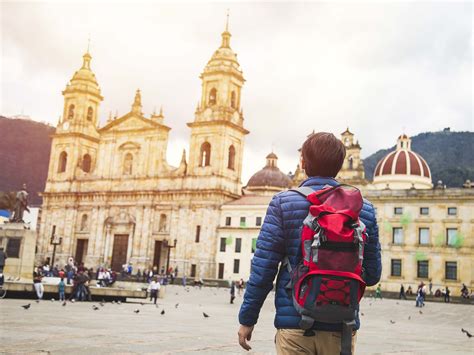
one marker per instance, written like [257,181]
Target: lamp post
[169,251]
[55,242]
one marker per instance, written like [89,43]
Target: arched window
[128,164]
[231,162]
[205,154]
[233,100]
[70,113]
[84,222]
[351,163]
[213,96]
[62,162]
[162,226]
[90,112]
[86,163]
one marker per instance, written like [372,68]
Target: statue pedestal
[19,245]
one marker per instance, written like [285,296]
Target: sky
[379,68]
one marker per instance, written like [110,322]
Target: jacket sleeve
[269,251]
[372,263]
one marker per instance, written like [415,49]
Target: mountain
[450,156]
[25,146]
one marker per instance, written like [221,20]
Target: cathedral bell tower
[75,143]
[217,133]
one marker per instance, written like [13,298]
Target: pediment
[130,122]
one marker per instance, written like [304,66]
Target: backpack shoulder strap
[303,190]
[306,190]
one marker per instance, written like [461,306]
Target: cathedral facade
[112,197]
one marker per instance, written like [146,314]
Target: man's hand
[245,333]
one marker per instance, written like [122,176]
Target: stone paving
[48,327]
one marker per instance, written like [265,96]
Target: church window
[231,163]
[86,163]
[62,162]
[128,164]
[233,100]
[70,114]
[205,154]
[351,163]
[198,234]
[90,112]
[213,96]
[162,225]
[84,222]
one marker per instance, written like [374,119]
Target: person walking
[402,293]
[38,285]
[378,292]
[154,289]
[447,294]
[279,241]
[3,258]
[184,280]
[232,292]
[61,289]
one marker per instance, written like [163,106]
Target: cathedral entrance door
[157,255]
[81,250]
[119,251]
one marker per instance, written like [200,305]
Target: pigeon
[362,314]
[176,305]
[26,306]
[64,303]
[370,304]
[391,321]
[398,303]
[176,293]
[421,312]
[469,335]
[409,317]
[101,304]
[103,300]
[95,308]
[142,303]
[156,306]
[205,315]
[118,302]
[162,312]
[137,311]
[73,300]
[37,301]
[52,299]
[113,302]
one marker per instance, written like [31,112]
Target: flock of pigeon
[102,304]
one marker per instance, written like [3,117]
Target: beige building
[112,196]
[425,233]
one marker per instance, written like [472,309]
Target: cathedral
[110,193]
[113,199]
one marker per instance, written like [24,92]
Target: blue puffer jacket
[280,237]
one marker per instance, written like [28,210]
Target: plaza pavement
[48,327]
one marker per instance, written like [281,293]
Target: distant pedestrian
[378,292]
[232,292]
[464,291]
[447,297]
[409,291]
[61,289]
[431,287]
[184,280]
[176,271]
[154,289]
[3,258]
[402,293]
[39,289]
[420,297]
[241,286]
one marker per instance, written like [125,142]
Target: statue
[21,205]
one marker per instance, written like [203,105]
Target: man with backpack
[322,241]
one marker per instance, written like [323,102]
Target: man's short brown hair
[323,154]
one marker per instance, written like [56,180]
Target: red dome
[402,162]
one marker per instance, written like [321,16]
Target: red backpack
[327,285]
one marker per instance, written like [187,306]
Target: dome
[402,168]
[84,79]
[270,178]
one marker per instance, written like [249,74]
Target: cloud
[377,68]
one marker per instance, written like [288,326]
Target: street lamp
[55,242]
[169,251]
